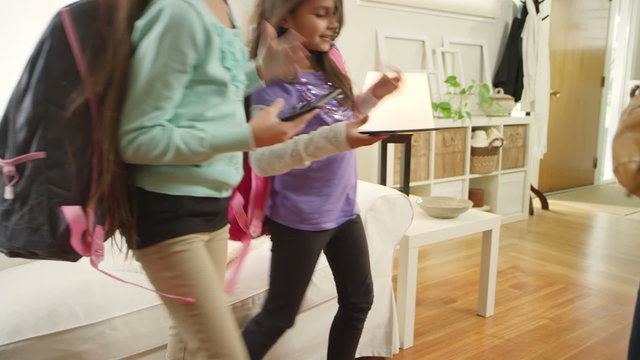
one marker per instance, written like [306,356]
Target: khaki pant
[193,266]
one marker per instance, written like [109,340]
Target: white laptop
[408,109]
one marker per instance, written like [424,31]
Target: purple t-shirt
[323,195]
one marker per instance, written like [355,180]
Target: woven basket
[484,160]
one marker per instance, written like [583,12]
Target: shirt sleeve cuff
[364,103]
[240,139]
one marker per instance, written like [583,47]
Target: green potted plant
[459,106]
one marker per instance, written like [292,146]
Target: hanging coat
[509,75]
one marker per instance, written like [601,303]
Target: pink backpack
[248,204]
[247,207]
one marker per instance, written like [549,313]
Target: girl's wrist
[378,94]
[370,97]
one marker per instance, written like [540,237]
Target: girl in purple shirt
[312,206]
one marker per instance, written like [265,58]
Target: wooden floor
[566,289]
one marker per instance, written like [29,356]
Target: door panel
[577,44]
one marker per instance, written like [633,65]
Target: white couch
[61,310]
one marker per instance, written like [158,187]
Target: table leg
[488,271]
[407,277]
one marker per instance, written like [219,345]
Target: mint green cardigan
[183,122]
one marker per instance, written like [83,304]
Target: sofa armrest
[386,214]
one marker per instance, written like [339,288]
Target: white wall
[21,24]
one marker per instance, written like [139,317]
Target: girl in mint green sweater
[183,128]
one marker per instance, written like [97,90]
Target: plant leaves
[452,81]
[482,91]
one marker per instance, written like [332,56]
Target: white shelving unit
[448,158]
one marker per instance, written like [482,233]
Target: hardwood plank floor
[567,284]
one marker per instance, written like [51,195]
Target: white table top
[434,229]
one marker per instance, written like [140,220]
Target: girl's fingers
[292,35]
[379,137]
[293,41]
[268,34]
[360,122]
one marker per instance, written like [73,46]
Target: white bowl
[444,207]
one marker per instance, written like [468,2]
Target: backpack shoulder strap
[337,58]
[80,60]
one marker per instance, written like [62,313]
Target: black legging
[293,260]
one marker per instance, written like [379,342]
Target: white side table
[426,230]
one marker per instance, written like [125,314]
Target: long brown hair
[108,56]
[274,11]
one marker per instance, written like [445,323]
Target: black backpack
[46,153]
[48,157]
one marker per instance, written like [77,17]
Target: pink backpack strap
[337,58]
[258,203]
[86,237]
[9,174]
[250,221]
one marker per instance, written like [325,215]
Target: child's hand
[386,85]
[280,57]
[356,139]
[268,129]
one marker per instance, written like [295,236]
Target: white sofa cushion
[49,303]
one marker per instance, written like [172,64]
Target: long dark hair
[274,11]
[108,57]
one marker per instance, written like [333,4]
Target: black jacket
[510,73]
